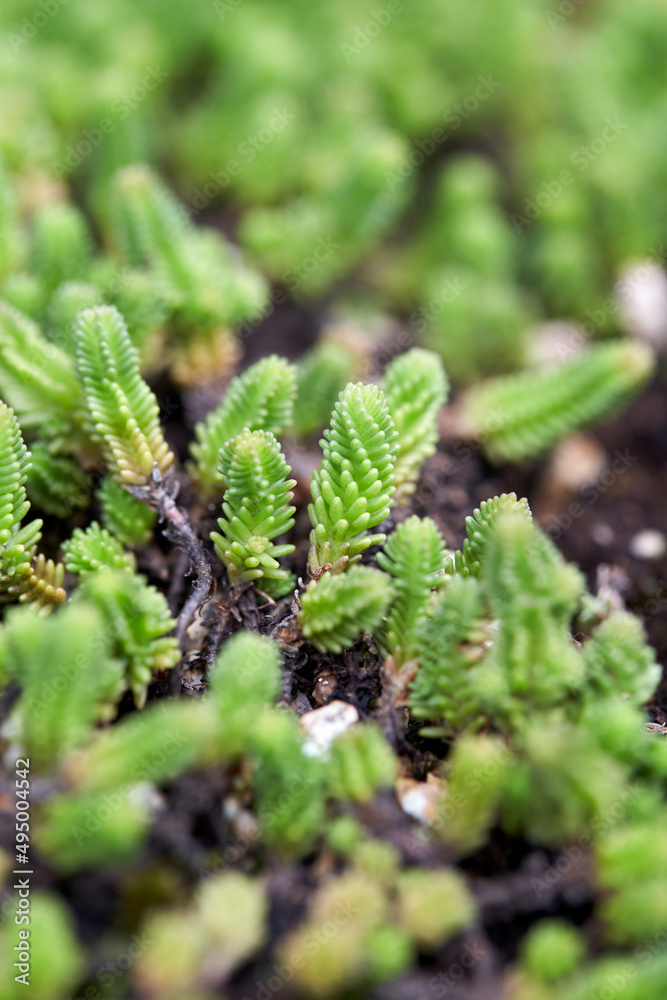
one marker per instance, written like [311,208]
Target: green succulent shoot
[37,378]
[353,489]
[416,388]
[518,416]
[128,519]
[467,561]
[24,575]
[122,410]
[336,609]
[255,511]
[262,398]
[136,614]
[414,556]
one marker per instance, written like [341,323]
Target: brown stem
[160,494]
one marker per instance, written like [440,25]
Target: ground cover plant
[332,473]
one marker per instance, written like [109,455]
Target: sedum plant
[128,519]
[467,561]
[57,484]
[61,245]
[138,617]
[94,549]
[336,609]
[471,669]
[414,557]
[416,389]
[24,575]
[68,675]
[353,488]
[122,410]
[361,762]
[136,614]
[518,416]
[321,375]
[38,378]
[262,398]
[255,511]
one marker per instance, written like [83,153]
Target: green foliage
[36,376]
[336,609]
[322,374]
[94,549]
[289,786]
[125,517]
[68,300]
[60,245]
[56,483]
[24,576]
[137,617]
[448,647]
[224,926]
[261,398]
[434,905]
[12,243]
[206,286]
[414,556]
[551,797]
[476,779]
[467,561]
[150,746]
[245,680]
[56,961]
[79,832]
[353,488]
[552,949]
[416,389]
[618,660]
[122,410]
[67,673]
[632,870]
[361,762]
[256,510]
[533,593]
[518,416]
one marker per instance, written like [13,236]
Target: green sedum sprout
[262,398]
[414,557]
[131,521]
[255,511]
[336,609]
[467,561]
[416,388]
[352,490]
[94,549]
[24,575]
[122,410]
[518,416]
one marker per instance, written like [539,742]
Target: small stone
[576,462]
[602,534]
[553,343]
[641,293]
[648,544]
[419,799]
[324,725]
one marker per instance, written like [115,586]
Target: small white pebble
[577,461]
[641,293]
[602,534]
[324,725]
[419,799]
[648,544]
